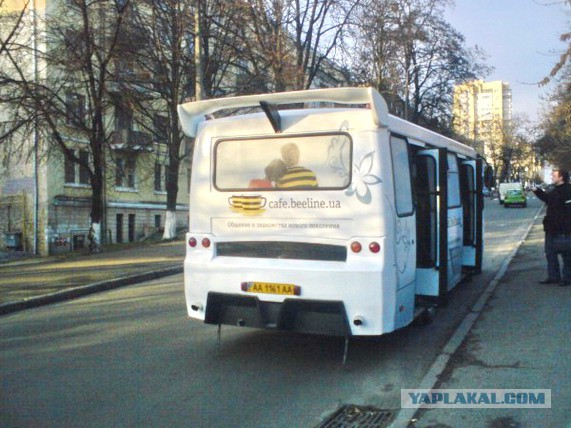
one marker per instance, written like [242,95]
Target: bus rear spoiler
[191,114]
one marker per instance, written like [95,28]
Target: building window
[75,109]
[119,228]
[159,179]
[77,173]
[131,227]
[123,117]
[69,170]
[157,221]
[83,171]
[160,128]
[125,172]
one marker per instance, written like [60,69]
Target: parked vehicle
[515,197]
[504,187]
[374,222]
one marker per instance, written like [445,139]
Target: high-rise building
[483,112]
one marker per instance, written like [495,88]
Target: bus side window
[401,174]
[453,182]
[426,218]
[467,190]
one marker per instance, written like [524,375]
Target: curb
[84,290]
[405,417]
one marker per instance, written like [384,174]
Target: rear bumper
[296,315]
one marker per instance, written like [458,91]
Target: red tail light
[206,242]
[374,247]
[356,247]
[192,242]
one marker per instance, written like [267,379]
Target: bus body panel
[278,257]
[329,217]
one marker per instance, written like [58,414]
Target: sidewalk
[33,282]
[520,341]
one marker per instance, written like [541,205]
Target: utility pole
[36,135]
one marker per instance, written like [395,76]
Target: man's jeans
[553,271]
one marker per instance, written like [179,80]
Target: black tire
[426,317]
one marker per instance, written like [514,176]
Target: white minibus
[318,212]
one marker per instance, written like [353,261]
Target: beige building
[483,113]
[45,200]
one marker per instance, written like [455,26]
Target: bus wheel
[426,317]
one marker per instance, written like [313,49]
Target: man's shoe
[549,281]
[564,283]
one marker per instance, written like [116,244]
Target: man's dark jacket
[558,216]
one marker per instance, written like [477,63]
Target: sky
[521,39]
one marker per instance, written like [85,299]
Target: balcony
[131,141]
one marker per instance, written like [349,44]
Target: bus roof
[191,114]
[425,137]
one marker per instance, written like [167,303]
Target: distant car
[504,187]
[486,191]
[515,197]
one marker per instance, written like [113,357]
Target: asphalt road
[130,358]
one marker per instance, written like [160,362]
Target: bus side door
[471,183]
[432,223]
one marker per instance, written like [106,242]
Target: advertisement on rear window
[302,162]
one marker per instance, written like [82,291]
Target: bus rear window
[301,162]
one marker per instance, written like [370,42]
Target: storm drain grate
[359,417]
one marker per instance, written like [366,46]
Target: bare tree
[69,98]
[413,57]
[12,32]
[165,65]
[555,145]
[319,26]
[11,25]
[509,145]
[290,42]
[186,50]
[564,57]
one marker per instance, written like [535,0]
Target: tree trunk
[97,200]
[94,238]
[170,225]
[172,195]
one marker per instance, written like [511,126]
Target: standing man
[557,226]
